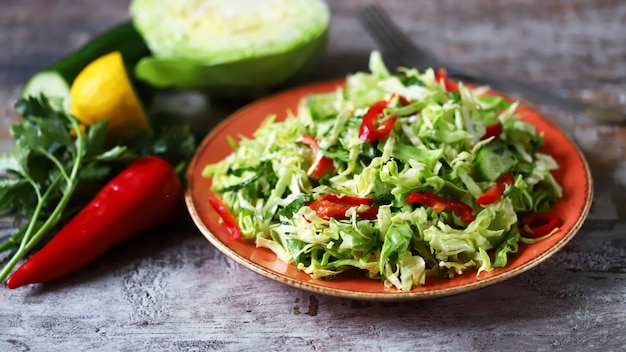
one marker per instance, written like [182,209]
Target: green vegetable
[493,160]
[230,48]
[321,106]
[50,175]
[56,80]
[435,151]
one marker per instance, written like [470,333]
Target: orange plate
[572,209]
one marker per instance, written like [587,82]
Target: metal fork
[403,50]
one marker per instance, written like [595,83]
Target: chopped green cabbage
[433,147]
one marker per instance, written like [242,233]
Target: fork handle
[599,113]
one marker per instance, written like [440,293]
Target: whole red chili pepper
[496,190]
[439,204]
[145,195]
[325,164]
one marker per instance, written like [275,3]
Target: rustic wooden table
[171,290]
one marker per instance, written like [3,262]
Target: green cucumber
[493,160]
[56,80]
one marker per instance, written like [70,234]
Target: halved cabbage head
[229,46]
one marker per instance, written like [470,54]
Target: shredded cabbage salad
[402,203]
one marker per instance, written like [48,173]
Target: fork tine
[392,39]
[382,27]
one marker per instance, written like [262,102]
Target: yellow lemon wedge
[103,91]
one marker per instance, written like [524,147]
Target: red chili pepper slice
[375,125]
[496,190]
[326,209]
[310,141]
[439,204]
[349,200]
[492,131]
[461,209]
[538,224]
[329,206]
[404,101]
[450,86]
[325,164]
[370,213]
[428,199]
[227,217]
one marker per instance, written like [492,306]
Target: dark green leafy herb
[454,97]
[412,81]
[263,169]
[295,205]
[337,154]
[383,199]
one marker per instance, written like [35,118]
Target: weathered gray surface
[171,290]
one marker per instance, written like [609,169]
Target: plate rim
[392,294]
